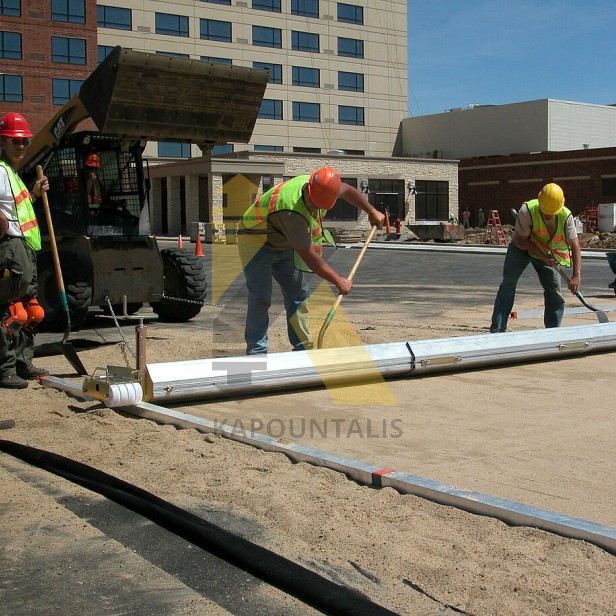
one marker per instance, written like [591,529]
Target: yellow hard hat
[551,199]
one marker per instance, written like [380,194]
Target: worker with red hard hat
[547,222]
[20,239]
[281,236]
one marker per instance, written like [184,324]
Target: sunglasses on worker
[18,140]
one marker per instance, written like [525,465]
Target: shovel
[332,312]
[601,315]
[65,346]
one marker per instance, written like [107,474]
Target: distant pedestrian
[482,218]
[466,218]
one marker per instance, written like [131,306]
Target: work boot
[34,373]
[12,381]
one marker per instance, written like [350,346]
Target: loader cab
[74,212]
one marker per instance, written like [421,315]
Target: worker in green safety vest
[547,221]
[281,236]
[20,239]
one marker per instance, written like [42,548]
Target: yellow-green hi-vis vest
[557,244]
[288,196]
[25,210]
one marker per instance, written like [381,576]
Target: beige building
[337,95]
[338,71]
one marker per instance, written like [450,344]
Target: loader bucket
[162,98]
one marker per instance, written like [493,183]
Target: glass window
[343,210]
[306,150]
[10,88]
[355,152]
[274,69]
[226,2]
[217,60]
[307,8]
[350,14]
[64,89]
[306,112]
[350,48]
[11,8]
[225,148]
[306,77]
[353,82]
[173,149]
[608,187]
[350,115]
[268,148]
[68,50]
[113,17]
[171,25]
[432,200]
[305,41]
[266,5]
[271,109]
[215,30]
[72,11]
[103,51]
[266,37]
[10,45]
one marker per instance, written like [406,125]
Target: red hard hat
[14,125]
[323,187]
[92,160]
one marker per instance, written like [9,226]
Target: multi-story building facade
[336,95]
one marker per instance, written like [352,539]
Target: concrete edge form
[168,382]
[511,512]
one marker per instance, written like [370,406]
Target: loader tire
[185,286]
[78,295]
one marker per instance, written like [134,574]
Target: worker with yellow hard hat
[547,222]
[280,236]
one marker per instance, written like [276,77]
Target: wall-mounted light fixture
[412,189]
[365,189]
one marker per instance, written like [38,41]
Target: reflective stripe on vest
[288,196]
[558,243]
[24,208]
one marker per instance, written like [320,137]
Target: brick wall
[35,67]
[504,182]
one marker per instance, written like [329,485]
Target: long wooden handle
[332,312]
[52,240]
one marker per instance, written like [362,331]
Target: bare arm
[354,197]
[576,257]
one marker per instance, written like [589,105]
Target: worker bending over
[281,236]
[547,221]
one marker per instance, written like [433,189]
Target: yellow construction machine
[108,256]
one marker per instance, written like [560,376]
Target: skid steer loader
[107,252]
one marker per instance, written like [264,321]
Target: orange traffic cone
[198,249]
[180,243]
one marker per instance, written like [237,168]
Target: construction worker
[97,193]
[547,221]
[20,238]
[280,236]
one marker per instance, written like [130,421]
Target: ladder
[591,219]
[494,227]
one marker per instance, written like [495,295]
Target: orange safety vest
[24,208]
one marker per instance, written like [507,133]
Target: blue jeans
[516,262]
[261,265]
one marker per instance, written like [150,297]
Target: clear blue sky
[493,52]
